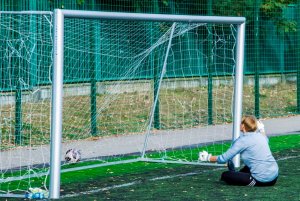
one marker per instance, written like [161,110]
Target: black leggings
[243,178]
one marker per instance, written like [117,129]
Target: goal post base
[180,162]
[12,195]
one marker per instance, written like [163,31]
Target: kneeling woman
[260,168]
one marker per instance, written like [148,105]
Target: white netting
[26,61]
[113,71]
[125,60]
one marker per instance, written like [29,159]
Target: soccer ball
[72,156]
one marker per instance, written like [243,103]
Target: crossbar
[57,88]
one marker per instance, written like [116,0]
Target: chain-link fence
[271,57]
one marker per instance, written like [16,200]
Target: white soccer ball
[72,156]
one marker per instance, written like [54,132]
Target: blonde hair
[250,123]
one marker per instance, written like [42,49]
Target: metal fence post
[257,59]
[209,73]
[298,55]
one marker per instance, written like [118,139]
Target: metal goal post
[57,87]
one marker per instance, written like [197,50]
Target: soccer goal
[124,88]
[25,81]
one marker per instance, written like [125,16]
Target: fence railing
[272,47]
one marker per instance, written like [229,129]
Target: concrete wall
[115,87]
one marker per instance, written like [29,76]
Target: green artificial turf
[192,182]
[158,181]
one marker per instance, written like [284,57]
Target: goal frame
[58,65]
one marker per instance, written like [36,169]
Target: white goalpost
[61,15]
[26,62]
[120,87]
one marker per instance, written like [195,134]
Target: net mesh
[114,70]
[125,61]
[26,62]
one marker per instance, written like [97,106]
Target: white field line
[10,179]
[137,182]
[288,157]
[153,179]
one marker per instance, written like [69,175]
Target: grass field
[181,182]
[157,181]
[128,113]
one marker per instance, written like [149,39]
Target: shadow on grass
[157,181]
[181,182]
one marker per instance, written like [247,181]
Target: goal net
[25,80]
[124,88]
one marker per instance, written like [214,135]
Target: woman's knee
[225,176]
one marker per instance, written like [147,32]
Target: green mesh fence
[271,29]
[271,54]
[102,97]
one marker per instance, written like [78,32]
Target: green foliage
[80,2]
[234,8]
[285,26]
[269,9]
[273,9]
[165,2]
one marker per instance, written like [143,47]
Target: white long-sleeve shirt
[255,153]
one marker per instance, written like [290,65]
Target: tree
[273,9]
[269,9]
